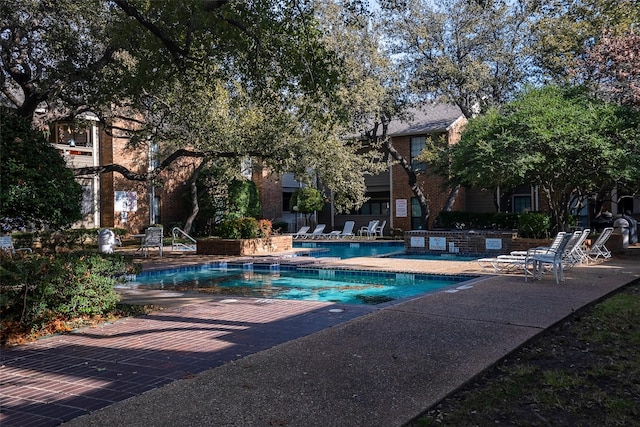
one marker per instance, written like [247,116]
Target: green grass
[584,372]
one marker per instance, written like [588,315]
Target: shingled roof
[431,118]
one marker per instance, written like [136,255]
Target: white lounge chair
[369,230]
[6,244]
[379,230]
[598,248]
[304,230]
[152,239]
[317,232]
[347,231]
[554,258]
[503,263]
[575,253]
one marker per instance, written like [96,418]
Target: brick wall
[468,243]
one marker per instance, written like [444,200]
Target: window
[374,207]
[416,214]
[521,203]
[417,144]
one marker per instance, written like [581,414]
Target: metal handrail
[177,233]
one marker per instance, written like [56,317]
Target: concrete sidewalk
[380,369]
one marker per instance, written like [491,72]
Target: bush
[244,228]
[37,289]
[477,220]
[280,227]
[534,225]
[71,239]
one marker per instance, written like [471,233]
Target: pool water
[349,249]
[308,284]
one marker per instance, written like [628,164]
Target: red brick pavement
[59,378]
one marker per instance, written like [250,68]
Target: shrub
[477,220]
[37,289]
[280,227]
[534,225]
[243,228]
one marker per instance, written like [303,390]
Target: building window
[521,203]
[417,144]
[374,207]
[416,214]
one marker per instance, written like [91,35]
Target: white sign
[438,243]
[493,244]
[126,201]
[401,208]
[417,241]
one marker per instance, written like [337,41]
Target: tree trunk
[413,181]
[195,207]
[451,199]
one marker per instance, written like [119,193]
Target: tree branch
[146,176]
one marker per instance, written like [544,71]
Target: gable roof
[430,118]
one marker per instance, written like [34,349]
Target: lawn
[583,372]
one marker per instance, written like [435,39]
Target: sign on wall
[126,201]
[401,208]
[417,241]
[438,243]
[493,244]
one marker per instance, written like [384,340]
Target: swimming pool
[350,249]
[295,283]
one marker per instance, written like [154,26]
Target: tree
[29,196]
[569,144]
[306,200]
[471,54]
[613,65]
[565,30]
[215,81]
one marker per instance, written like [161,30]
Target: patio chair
[554,258]
[598,248]
[6,244]
[541,249]
[575,253]
[152,239]
[317,232]
[369,230]
[347,231]
[302,232]
[379,230]
[503,263]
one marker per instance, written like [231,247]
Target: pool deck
[227,361]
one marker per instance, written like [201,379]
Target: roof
[430,118]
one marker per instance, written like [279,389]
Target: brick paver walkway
[62,377]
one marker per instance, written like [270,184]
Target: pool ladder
[177,234]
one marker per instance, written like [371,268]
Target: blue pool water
[349,249]
[308,284]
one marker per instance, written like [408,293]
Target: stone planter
[242,247]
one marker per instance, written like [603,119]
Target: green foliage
[280,227]
[241,228]
[558,138]
[29,196]
[244,200]
[37,289]
[69,239]
[463,220]
[534,225]
[307,200]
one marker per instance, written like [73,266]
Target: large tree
[469,53]
[210,80]
[29,197]
[563,140]
[565,30]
